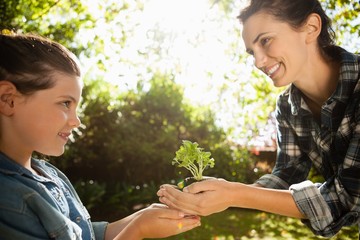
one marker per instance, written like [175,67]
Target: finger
[168,185]
[170,204]
[174,214]
[165,186]
[158,205]
[198,187]
[160,192]
[186,224]
[179,200]
[170,213]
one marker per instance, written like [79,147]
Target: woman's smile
[271,71]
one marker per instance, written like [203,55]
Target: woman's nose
[259,60]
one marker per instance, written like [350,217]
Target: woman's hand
[201,198]
[158,221]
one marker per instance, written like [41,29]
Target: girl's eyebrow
[69,97]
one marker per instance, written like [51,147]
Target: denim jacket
[42,207]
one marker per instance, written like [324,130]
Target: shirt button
[78,219]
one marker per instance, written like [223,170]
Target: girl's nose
[74,121]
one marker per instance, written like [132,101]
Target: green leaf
[193,158]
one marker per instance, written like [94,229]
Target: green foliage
[91,192]
[344,14]
[122,199]
[243,224]
[193,158]
[132,136]
[58,20]
[129,138]
[122,150]
[234,163]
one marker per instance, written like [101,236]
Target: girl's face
[44,121]
[278,50]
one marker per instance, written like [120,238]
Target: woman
[40,89]
[318,123]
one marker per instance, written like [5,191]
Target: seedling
[193,158]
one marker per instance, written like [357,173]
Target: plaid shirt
[332,147]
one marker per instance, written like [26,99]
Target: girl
[40,89]
[318,122]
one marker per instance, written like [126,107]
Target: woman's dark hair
[295,13]
[29,61]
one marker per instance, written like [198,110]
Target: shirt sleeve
[311,203]
[291,170]
[328,206]
[292,164]
[336,202]
[272,181]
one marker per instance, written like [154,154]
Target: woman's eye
[264,41]
[250,52]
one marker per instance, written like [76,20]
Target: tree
[102,37]
[58,20]
[133,137]
[135,128]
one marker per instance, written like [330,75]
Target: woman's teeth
[273,69]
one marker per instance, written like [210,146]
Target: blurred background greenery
[158,72]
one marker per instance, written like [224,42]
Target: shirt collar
[10,167]
[348,78]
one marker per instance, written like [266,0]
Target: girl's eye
[66,104]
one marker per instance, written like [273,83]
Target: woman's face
[279,50]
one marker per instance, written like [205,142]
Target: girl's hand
[201,198]
[158,221]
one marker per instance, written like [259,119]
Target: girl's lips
[64,136]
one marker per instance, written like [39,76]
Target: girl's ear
[7,95]
[313,27]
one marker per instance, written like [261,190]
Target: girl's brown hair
[28,61]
